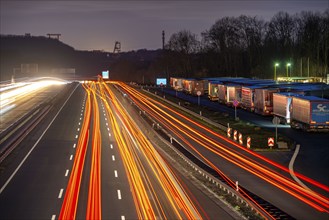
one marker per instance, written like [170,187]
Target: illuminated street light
[288,64]
[275,65]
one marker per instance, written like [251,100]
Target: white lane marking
[71,157]
[119,194]
[78,129]
[115,173]
[53,217]
[107,124]
[36,143]
[79,123]
[106,119]
[80,118]
[108,129]
[81,114]
[113,157]
[110,134]
[76,136]
[123,217]
[104,115]
[67,172]
[60,193]
[291,168]
[82,110]
[111,145]
[74,145]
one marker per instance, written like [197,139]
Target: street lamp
[275,65]
[288,64]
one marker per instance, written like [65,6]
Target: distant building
[304,79]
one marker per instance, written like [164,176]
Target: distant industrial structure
[117,47]
[163,40]
[54,36]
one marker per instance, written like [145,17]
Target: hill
[50,54]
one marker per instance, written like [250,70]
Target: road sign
[276,120]
[235,135]
[229,131]
[240,139]
[235,103]
[248,142]
[198,93]
[270,142]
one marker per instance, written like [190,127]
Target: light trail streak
[70,202]
[140,196]
[23,90]
[174,193]
[94,196]
[241,160]
[207,130]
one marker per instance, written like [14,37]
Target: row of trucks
[267,97]
[301,112]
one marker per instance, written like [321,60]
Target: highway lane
[208,208]
[150,178]
[95,190]
[22,105]
[35,191]
[117,201]
[270,193]
[114,177]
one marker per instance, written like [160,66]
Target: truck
[309,113]
[233,92]
[221,93]
[281,106]
[263,100]
[213,90]
[177,84]
[227,93]
[193,86]
[247,96]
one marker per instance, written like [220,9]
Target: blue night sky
[96,25]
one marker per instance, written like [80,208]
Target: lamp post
[288,64]
[275,65]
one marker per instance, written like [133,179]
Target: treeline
[243,46]
[248,46]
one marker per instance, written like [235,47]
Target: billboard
[161,81]
[105,74]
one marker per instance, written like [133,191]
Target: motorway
[89,160]
[263,177]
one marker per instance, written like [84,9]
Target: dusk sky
[96,25]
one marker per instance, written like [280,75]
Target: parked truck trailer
[213,90]
[193,86]
[263,100]
[310,113]
[282,106]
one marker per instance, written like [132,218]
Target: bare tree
[224,37]
[252,35]
[280,35]
[185,44]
